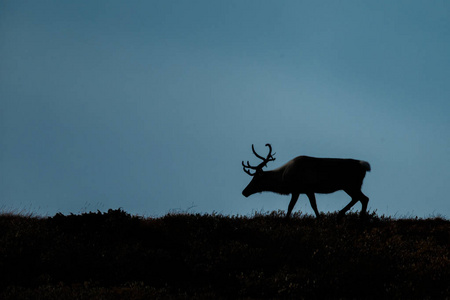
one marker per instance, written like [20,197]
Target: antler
[250,167]
[261,165]
[259,156]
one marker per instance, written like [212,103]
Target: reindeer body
[310,175]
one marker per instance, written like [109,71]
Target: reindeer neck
[274,182]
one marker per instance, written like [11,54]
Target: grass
[115,255]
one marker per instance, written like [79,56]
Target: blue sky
[152,105]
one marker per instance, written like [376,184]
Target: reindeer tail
[365,165]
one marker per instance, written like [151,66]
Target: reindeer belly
[325,190]
[322,182]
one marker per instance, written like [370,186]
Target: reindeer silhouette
[309,175]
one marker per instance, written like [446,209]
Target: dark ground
[117,256]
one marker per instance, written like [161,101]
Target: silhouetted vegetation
[117,256]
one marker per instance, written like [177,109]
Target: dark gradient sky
[152,105]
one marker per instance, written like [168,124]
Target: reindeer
[309,175]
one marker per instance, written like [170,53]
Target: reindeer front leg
[292,203]
[312,200]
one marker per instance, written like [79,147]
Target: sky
[150,106]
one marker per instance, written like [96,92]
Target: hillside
[117,256]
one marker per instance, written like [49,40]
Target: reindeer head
[255,185]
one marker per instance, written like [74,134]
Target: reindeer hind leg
[350,205]
[345,209]
[356,196]
[364,201]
